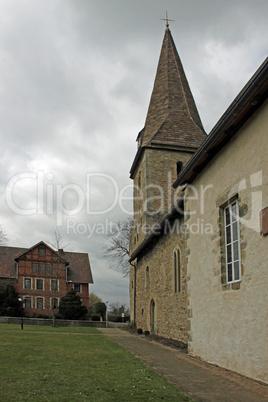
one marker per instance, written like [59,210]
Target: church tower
[172,134]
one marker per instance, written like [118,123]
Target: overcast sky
[76,80]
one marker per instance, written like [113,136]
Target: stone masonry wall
[228,322]
[155,281]
[153,192]
[153,196]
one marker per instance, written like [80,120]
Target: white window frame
[58,287]
[39,279]
[77,284]
[229,243]
[40,297]
[30,279]
[55,298]
[24,300]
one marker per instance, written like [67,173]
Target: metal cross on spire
[167,20]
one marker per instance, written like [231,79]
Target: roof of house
[172,120]
[26,250]
[241,109]
[79,269]
[7,260]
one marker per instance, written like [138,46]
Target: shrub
[99,309]
[117,318]
[9,303]
[139,331]
[71,307]
[132,325]
[95,317]
[146,333]
[36,315]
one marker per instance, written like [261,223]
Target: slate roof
[250,98]
[7,262]
[172,120]
[172,115]
[79,270]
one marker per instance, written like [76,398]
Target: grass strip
[55,367]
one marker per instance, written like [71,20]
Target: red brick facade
[35,272]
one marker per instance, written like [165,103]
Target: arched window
[179,167]
[177,270]
[139,182]
[152,317]
[147,277]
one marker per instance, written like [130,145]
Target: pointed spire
[172,117]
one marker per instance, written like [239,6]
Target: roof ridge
[182,86]
[159,128]
[175,54]
[179,63]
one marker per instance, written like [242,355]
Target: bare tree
[92,298]
[119,308]
[117,248]
[3,236]
[57,244]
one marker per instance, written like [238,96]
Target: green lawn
[71,364]
[37,328]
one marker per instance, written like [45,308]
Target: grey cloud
[76,83]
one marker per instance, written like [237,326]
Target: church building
[198,250]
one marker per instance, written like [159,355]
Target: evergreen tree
[9,304]
[71,307]
[99,308]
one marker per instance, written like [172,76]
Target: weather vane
[167,20]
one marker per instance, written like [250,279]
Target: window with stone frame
[27,283]
[232,242]
[54,302]
[77,287]
[54,284]
[177,270]
[39,284]
[39,303]
[27,301]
